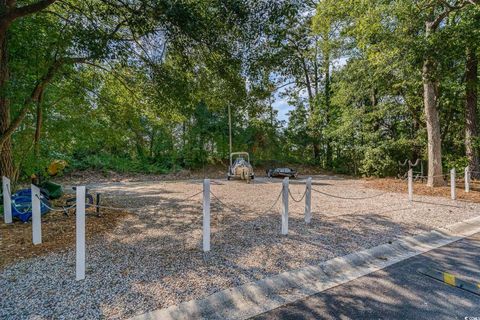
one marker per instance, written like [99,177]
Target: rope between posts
[234,211]
[221,202]
[299,200]
[86,205]
[102,207]
[58,210]
[417,176]
[112,208]
[196,194]
[274,203]
[435,176]
[51,208]
[347,198]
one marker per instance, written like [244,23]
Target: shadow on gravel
[154,259]
[437,204]
[172,266]
[398,292]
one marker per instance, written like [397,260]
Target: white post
[285,206]
[410,185]
[206,215]
[36,216]
[7,200]
[80,231]
[308,200]
[452,184]
[467,179]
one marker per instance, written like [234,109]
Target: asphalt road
[399,291]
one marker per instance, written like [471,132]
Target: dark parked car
[282,172]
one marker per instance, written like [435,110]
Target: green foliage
[107,162]
[455,162]
[153,92]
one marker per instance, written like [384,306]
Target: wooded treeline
[145,85]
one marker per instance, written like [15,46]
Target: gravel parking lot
[153,259]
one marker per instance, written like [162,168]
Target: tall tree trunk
[6,156]
[471,76]
[8,13]
[152,143]
[311,103]
[430,99]
[38,126]
[430,93]
[315,68]
[327,93]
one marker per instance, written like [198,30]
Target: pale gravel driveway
[153,259]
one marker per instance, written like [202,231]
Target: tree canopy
[145,86]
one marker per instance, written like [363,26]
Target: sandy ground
[153,259]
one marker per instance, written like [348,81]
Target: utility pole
[271,111]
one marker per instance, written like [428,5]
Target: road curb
[264,295]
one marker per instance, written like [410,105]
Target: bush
[122,164]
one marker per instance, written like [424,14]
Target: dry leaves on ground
[419,188]
[58,233]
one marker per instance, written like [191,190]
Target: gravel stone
[153,259]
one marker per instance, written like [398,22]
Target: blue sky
[281,104]
[283,108]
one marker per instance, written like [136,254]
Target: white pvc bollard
[80,232]
[7,200]
[285,206]
[467,179]
[36,216]
[206,215]
[410,185]
[452,184]
[308,200]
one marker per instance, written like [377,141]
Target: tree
[394,35]
[76,37]
[471,104]
[436,13]
[468,32]
[328,24]
[9,12]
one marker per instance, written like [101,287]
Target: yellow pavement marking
[449,279]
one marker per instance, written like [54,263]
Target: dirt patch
[213,172]
[420,188]
[58,233]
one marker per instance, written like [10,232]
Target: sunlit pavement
[400,291]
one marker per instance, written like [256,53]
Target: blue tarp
[22,205]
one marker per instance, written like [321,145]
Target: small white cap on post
[80,233]
[452,184]
[410,185]
[285,206]
[7,200]
[36,216]
[467,179]
[206,215]
[308,200]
